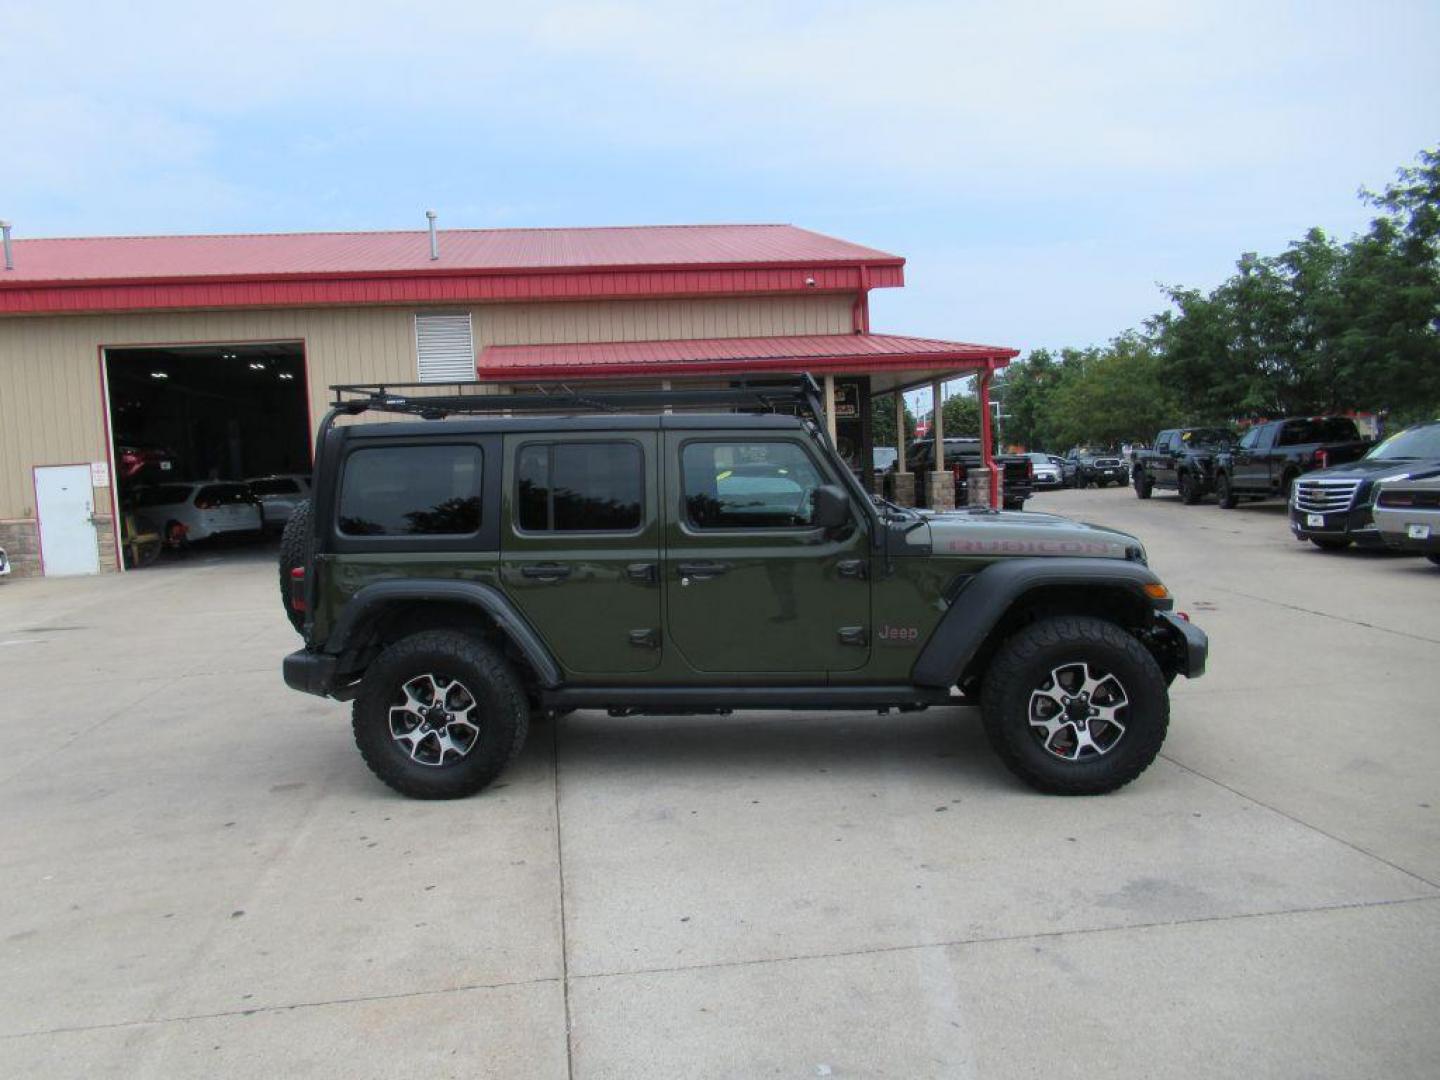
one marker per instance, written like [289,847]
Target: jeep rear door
[580,546]
[750,584]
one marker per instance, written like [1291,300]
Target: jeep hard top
[695,552]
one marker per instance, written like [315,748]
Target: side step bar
[660,699]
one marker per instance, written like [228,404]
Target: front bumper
[1190,646]
[1356,524]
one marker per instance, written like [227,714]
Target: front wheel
[1189,489]
[1074,705]
[1224,493]
[439,715]
[1434,559]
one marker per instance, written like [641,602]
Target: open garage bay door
[206,413]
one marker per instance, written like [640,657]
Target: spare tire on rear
[295,548]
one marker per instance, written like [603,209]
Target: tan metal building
[99,336]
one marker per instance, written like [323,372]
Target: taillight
[297,588]
[204,504]
[1029,469]
[1322,459]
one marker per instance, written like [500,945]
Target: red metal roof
[712,356]
[150,273]
[168,258]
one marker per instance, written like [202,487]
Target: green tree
[882,421]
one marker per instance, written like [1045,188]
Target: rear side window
[748,485]
[166,495]
[411,491]
[223,494]
[579,487]
[274,485]
[1320,430]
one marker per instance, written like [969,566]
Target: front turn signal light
[1156,591]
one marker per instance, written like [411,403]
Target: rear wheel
[1224,493]
[1074,705]
[295,544]
[439,715]
[1434,559]
[1144,486]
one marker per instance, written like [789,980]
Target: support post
[900,430]
[830,407]
[987,445]
[939,484]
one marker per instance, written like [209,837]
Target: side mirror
[830,506]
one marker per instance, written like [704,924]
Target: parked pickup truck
[962,455]
[1183,460]
[1268,458]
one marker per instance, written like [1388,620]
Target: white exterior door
[64,502]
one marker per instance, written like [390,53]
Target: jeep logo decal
[898,635]
[1035,547]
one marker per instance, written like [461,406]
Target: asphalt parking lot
[202,878]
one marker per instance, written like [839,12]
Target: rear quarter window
[411,491]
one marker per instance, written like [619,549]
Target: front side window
[1251,438]
[748,485]
[579,487]
[411,491]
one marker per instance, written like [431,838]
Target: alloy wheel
[432,720]
[1078,712]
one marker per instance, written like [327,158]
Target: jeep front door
[580,547]
[751,586]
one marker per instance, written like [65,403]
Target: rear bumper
[310,672]
[1191,645]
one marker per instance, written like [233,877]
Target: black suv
[507,555]
[1333,508]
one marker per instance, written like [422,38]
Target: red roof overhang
[823,353]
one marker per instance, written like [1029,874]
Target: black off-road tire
[295,544]
[1224,493]
[1144,486]
[1329,545]
[1189,489]
[1434,559]
[501,711]
[1024,662]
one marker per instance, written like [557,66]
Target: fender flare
[985,599]
[370,601]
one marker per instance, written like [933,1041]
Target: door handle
[546,571]
[701,570]
[851,568]
[647,573]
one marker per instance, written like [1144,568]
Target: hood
[1376,469]
[1018,532]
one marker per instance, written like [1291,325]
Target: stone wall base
[940,490]
[21,541]
[903,488]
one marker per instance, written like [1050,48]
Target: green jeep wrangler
[696,552]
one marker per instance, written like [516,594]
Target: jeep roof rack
[420,399]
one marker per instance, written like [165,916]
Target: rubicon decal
[971,546]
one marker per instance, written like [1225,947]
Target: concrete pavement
[201,877]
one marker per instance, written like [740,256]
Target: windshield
[1416,442]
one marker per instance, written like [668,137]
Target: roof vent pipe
[434,240]
[9,256]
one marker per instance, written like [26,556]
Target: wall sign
[99,474]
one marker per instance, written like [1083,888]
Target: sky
[1042,167]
